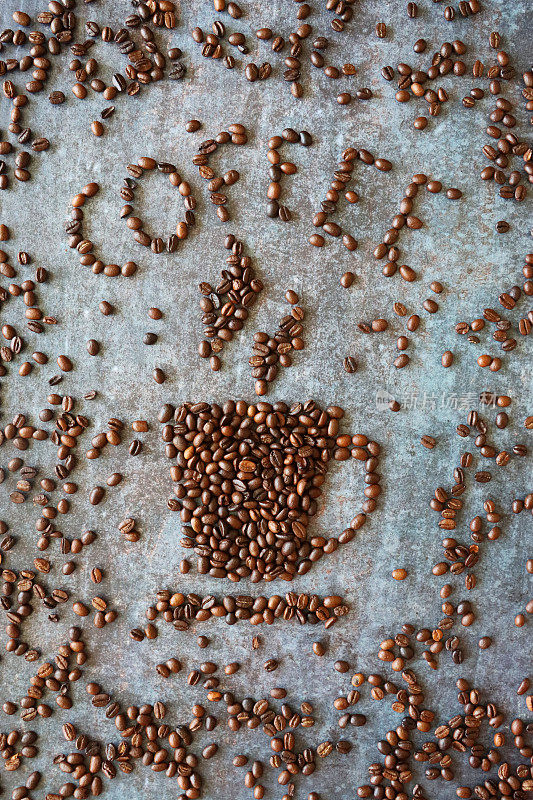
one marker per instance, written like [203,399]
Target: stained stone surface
[457,246]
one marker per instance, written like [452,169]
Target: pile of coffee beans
[247,481]
[226,306]
[279,168]
[183,610]
[272,352]
[236,134]
[156,243]
[85,247]
[388,247]
[341,179]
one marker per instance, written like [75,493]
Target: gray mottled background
[457,246]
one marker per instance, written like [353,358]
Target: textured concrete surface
[457,246]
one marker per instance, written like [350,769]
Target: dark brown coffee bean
[350,364]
